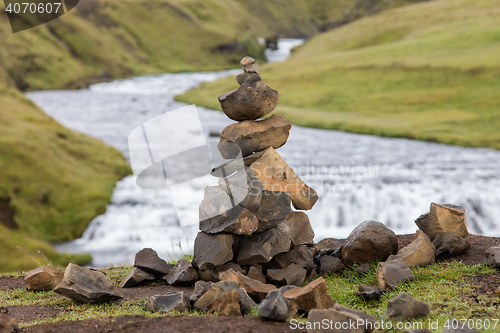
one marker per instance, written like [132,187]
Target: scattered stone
[334,318]
[363,269]
[493,256]
[392,273]
[261,248]
[460,327]
[404,306]
[43,278]
[8,324]
[255,272]
[273,209]
[312,296]
[450,245]
[183,274]
[87,285]
[275,175]
[301,255]
[369,241]
[211,251]
[148,260]
[252,136]
[255,289]
[245,189]
[249,102]
[367,318]
[421,252]
[200,288]
[274,307]
[226,305]
[291,275]
[218,214]
[300,228]
[330,244]
[135,277]
[369,292]
[175,300]
[443,218]
[329,264]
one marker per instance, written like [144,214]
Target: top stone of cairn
[253,99]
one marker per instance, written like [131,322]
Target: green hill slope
[427,71]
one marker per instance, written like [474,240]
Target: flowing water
[358,177]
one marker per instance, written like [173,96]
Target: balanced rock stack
[247,222]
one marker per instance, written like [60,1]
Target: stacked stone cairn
[253,250]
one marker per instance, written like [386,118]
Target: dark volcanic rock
[275,175]
[135,277]
[312,296]
[255,289]
[148,260]
[261,248]
[363,269]
[329,264]
[329,244]
[211,251]
[392,273]
[421,252]
[348,319]
[493,256]
[291,275]
[274,307]
[249,102]
[404,306]
[183,274]
[369,292]
[175,300]
[369,241]
[200,288]
[255,272]
[252,136]
[244,188]
[218,214]
[300,228]
[301,255]
[43,278]
[273,208]
[443,218]
[87,285]
[367,318]
[450,245]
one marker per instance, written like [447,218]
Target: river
[358,177]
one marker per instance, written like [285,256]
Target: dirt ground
[486,283]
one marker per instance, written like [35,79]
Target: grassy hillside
[427,71]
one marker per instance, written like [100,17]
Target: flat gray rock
[404,307]
[148,260]
[211,251]
[135,277]
[291,275]
[183,274]
[450,245]
[393,273]
[274,307]
[175,300]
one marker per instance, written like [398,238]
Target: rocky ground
[29,315]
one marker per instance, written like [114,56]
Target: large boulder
[403,306]
[493,256]
[211,251]
[251,136]
[183,274]
[274,307]
[291,275]
[149,261]
[43,278]
[443,218]
[261,248]
[312,296]
[393,273]
[255,289]
[135,277]
[420,252]
[175,300]
[252,100]
[369,241]
[450,245]
[275,175]
[87,285]
[300,228]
